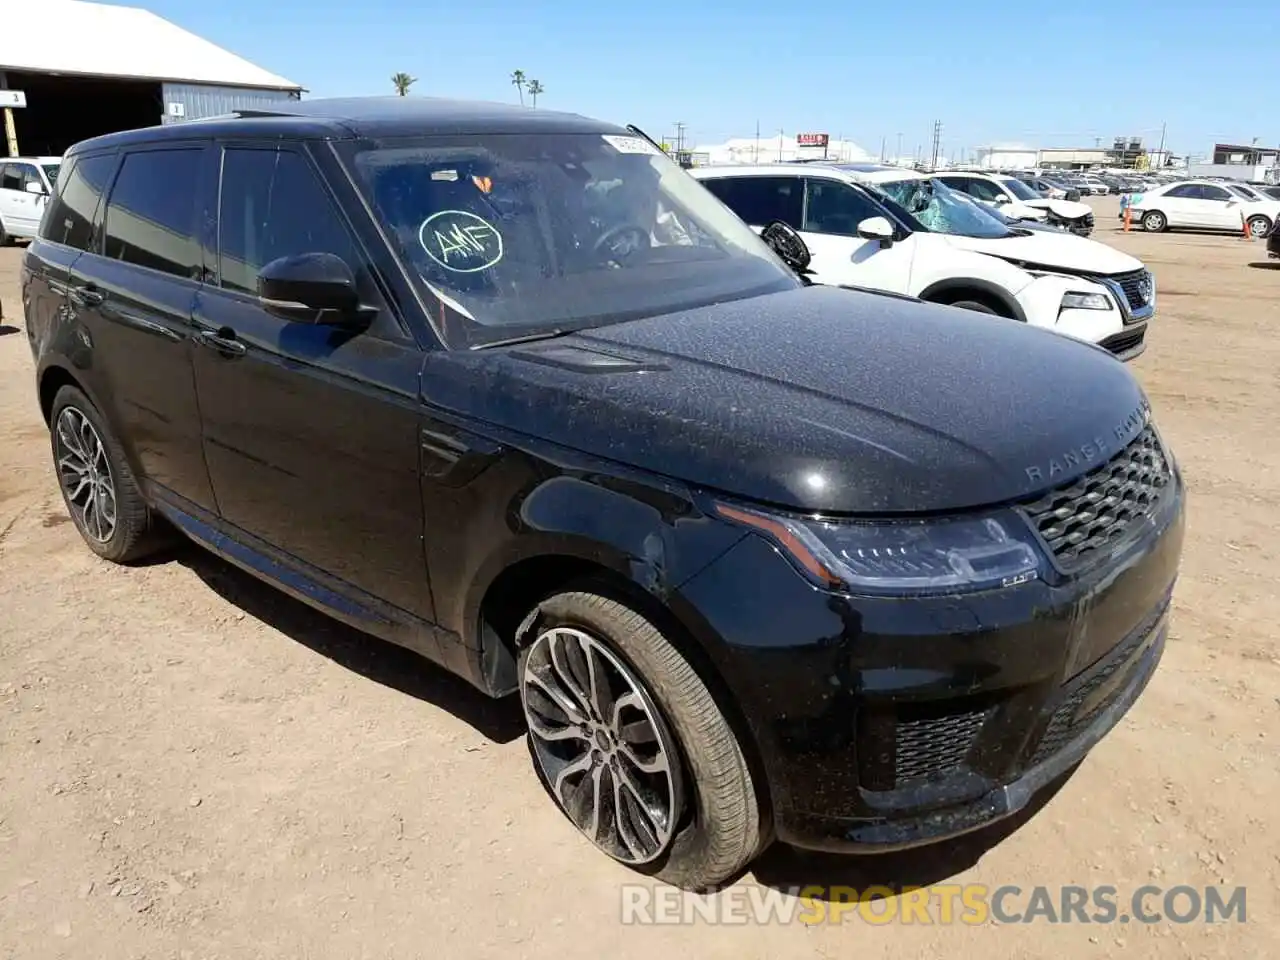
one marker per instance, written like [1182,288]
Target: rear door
[133,291]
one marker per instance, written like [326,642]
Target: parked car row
[890,229]
[761,557]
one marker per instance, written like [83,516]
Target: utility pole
[756,158]
[1160,152]
[882,149]
[937,143]
[679,138]
[780,136]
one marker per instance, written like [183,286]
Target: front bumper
[882,724]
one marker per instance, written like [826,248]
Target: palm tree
[535,88]
[402,82]
[517,81]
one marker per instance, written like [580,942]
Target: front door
[832,211]
[20,211]
[310,431]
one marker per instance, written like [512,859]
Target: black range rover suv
[509,388]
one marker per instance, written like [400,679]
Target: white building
[777,149]
[1014,156]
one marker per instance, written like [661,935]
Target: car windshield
[1019,189]
[51,171]
[520,235]
[942,210]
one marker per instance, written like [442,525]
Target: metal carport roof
[96,39]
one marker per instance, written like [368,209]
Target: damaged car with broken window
[760,559]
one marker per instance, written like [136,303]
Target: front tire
[1153,221]
[631,745]
[97,485]
[976,307]
[1259,227]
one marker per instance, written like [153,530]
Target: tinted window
[956,183]
[1186,191]
[151,216]
[761,200]
[1214,193]
[14,176]
[70,217]
[985,190]
[273,206]
[836,208]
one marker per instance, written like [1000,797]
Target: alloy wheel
[85,475]
[1258,227]
[601,745]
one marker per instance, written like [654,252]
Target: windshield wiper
[523,338]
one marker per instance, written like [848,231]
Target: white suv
[26,183]
[888,229]
[1016,200]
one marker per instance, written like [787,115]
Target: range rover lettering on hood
[1096,451]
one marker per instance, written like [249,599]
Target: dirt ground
[194,766]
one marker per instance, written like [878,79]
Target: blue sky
[1044,74]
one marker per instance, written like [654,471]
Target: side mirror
[35,188]
[311,288]
[877,228]
[790,247]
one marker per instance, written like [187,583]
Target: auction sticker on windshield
[629,144]
[460,241]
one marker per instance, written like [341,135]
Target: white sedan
[1203,205]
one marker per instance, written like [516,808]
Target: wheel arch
[974,288]
[506,618]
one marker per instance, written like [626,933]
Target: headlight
[903,557]
[1075,300]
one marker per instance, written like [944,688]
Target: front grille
[1124,341]
[1067,721]
[928,748]
[1093,512]
[1132,284]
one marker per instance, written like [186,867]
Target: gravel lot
[192,765]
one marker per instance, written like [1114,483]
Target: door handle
[223,341]
[86,295]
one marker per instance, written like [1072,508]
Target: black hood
[815,399]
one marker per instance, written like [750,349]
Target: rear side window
[151,216]
[761,200]
[273,206]
[69,219]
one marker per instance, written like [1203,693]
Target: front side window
[986,190]
[516,235]
[69,219]
[942,210]
[151,214]
[1019,189]
[836,208]
[14,176]
[1185,191]
[272,205]
[1214,193]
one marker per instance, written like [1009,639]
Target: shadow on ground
[787,869]
[6,329]
[1266,265]
[385,663]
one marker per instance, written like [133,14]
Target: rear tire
[1153,221]
[97,485]
[4,237]
[652,720]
